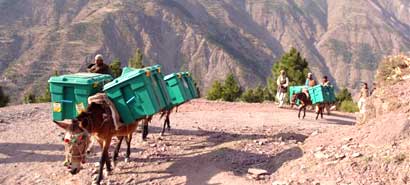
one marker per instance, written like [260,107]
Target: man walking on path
[283,83]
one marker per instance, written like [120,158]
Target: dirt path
[210,143]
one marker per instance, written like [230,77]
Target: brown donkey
[96,121]
[304,102]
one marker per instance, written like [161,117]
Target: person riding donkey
[283,83]
[99,66]
[310,82]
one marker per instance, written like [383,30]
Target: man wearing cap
[310,82]
[99,66]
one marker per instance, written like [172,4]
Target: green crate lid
[128,75]
[172,75]
[80,78]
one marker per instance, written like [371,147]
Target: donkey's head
[76,141]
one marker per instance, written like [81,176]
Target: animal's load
[133,94]
[159,85]
[322,94]
[191,84]
[177,88]
[69,93]
[295,89]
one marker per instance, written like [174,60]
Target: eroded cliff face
[342,39]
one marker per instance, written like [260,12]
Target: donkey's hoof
[114,163]
[107,173]
[127,160]
[95,182]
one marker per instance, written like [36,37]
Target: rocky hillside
[342,39]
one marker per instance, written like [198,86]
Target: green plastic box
[294,90]
[176,89]
[133,95]
[191,84]
[322,94]
[159,86]
[69,93]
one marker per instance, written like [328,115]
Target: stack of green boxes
[186,76]
[69,93]
[136,93]
[177,89]
[318,93]
[322,94]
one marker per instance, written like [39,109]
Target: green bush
[267,95]
[348,106]
[343,95]
[215,93]
[115,67]
[253,95]
[4,99]
[231,90]
[30,98]
[136,61]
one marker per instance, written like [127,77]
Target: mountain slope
[341,39]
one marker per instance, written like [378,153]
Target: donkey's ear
[64,126]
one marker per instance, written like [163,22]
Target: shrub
[29,98]
[215,93]
[115,67]
[253,95]
[231,90]
[343,95]
[136,61]
[348,106]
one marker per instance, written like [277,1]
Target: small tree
[343,95]
[295,66]
[136,61]
[215,93]
[267,95]
[116,67]
[258,93]
[29,98]
[231,90]
[248,96]
[4,99]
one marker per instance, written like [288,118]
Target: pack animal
[304,102]
[96,121]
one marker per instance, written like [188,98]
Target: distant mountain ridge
[211,38]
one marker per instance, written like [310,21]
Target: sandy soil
[210,143]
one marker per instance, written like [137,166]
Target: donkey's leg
[104,156]
[117,150]
[322,109]
[304,111]
[168,123]
[144,129]
[128,141]
[163,127]
[300,110]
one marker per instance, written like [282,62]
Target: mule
[304,102]
[96,121]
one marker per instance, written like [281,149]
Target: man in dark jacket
[99,66]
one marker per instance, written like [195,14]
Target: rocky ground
[210,143]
